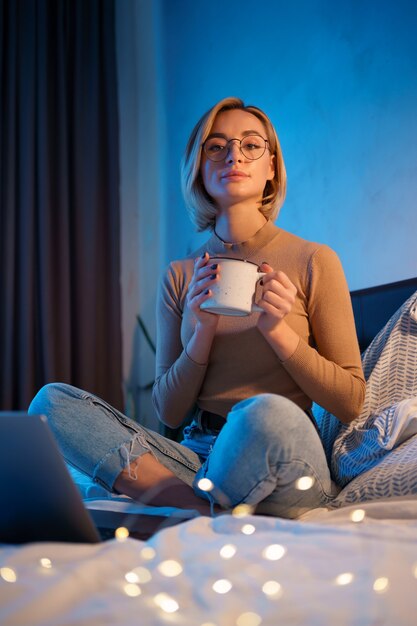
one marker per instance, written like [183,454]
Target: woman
[249,381]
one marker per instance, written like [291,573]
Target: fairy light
[8,574]
[205,484]
[242,510]
[344,579]
[415,570]
[132,590]
[358,515]
[228,551]
[222,585]
[274,552]
[208,624]
[46,563]
[148,553]
[121,533]
[170,568]
[142,574]
[381,585]
[132,577]
[304,483]
[249,619]
[248,529]
[166,603]
[272,588]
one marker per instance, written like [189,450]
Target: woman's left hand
[277,300]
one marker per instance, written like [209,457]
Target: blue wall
[339,81]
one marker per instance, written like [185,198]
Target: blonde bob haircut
[200,205]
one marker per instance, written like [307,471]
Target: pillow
[394,476]
[389,414]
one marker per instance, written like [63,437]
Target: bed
[352,564]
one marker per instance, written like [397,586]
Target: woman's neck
[237,226]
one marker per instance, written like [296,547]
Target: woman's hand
[206,273]
[277,300]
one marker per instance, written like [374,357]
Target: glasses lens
[253,146]
[216,148]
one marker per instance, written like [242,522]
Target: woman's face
[237,178]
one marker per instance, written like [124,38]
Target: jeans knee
[267,415]
[48,397]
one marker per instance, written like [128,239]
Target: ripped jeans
[266,446]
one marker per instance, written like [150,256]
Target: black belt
[210,421]
[214,422]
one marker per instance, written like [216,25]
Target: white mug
[234,291]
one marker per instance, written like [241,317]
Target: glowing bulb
[241,510]
[170,568]
[205,484]
[415,570]
[274,552]
[222,586]
[132,590]
[142,574]
[46,563]
[132,577]
[166,603]
[148,553]
[381,585]
[271,588]
[121,533]
[248,619]
[8,574]
[358,515]
[227,551]
[248,529]
[344,579]
[304,483]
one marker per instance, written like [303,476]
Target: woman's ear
[271,173]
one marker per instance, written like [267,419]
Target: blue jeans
[267,444]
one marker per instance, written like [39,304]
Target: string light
[344,579]
[381,585]
[132,590]
[222,586]
[205,484]
[415,570]
[249,619]
[170,568]
[248,529]
[148,553]
[8,574]
[46,563]
[121,533]
[166,603]
[242,510]
[228,551]
[304,483]
[142,574]
[272,588]
[358,515]
[274,552]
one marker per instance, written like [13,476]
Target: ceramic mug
[235,290]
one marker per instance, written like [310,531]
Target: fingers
[278,294]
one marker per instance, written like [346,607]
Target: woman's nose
[234,154]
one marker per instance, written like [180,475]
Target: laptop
[39,500]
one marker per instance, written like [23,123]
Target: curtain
[59,199]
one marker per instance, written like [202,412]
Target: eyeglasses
[252,147]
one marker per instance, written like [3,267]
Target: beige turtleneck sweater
[325,368]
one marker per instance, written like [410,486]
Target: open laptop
[39,501]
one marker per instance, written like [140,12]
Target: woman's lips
[234,174]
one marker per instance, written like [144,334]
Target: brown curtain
[59,199]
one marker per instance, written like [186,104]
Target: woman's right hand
[206,273]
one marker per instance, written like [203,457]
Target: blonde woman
[248,382]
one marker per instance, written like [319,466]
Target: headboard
[374,306]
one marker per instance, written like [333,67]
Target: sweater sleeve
[329,370]
[178,378]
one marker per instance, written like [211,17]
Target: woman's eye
[215,147]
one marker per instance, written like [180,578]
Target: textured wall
[339,81]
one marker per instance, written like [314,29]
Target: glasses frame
[227,148]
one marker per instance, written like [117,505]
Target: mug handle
[255,308]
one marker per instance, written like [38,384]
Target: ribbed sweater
[325,367]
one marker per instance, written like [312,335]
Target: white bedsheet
[333,572]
